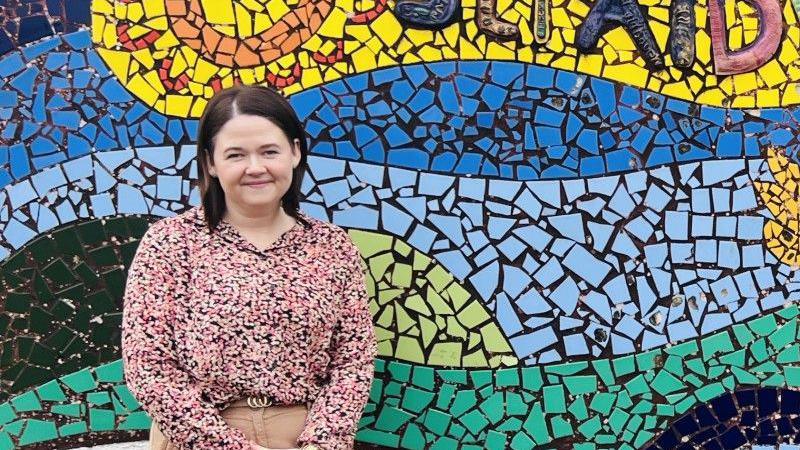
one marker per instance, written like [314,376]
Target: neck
[265,217]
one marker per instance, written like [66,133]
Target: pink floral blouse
[209,318]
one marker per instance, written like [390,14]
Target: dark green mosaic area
[62,309]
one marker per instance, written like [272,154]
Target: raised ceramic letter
[682,46]
[429,14]
[490,24]
[541,21]
[607,13]
[754,55]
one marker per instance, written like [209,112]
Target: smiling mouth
[263,183]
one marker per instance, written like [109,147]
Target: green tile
[465,400]
[561,428]
[789,355]
[507,377]
[51,392]
[98,398]
[637,385]
[446,393]
[101,419]
[474,421]
[494,407]
[642,438]
[784,335]
[110,373]
[706,393]
[72,409]
[792,375]
[603,369]
[81,381]
[400,372]
[624,365]
[744,377]
[683,350]
[26,402]
[126,397]
[763,326]
[590,427]
[666,383]
[578,385]
[73,428]
[521,441]
[646,361]
[602,402]
[510,425]
[437,421]
[38,431]
[413,438]
[578,409]
[482,378]
[697,366]
[7,413]
[736,358]
[554,401]
[392,419]
[567,368]
[515,404]
[536,426]
[718,343]
[496,440]
[454,376]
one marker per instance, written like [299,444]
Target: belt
[254,402]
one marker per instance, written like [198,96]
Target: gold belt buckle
[259,402]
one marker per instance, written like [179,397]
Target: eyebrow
[272,144]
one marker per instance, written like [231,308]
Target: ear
[296,153]
[210,164]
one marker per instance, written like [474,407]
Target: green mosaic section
[62,309]
[422,314]
[607,403]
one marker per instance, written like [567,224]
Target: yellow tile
[152,78]
[311,77]
[560,18]
[218,12]
[661,32]
[451,35]
[121,11]
[419,37]
[247,76]
[117,61]
[744,82]
[467,50]
[544,58]
[179,105]
[627,73]
[253,5]
[198,107]
[198,89]
[703,47]
[735,38]
[564,62]
[655,84]
[109,36]
[166,40]
[676,89]
[375,45]
[525,54]
[711,80]
[590,64]
[625,56]
[204,70]
[695,83]
[333,26]
[772,73]
[143,89]
[726,84]
[768,98]
[410,58]
[98,25]
[137,31]
[503,5]
[788,54]
[793,34]
[244,22]
[385,60]
[145,57]
[659,13]
[749,36]
[158,24]
[390,28]
[495,50]
[135,12]
[555,44]
[429,53]
[620,39]
[610,55]
[364,59]
[743,101]
[700,16]
[262,22]
[189,54]
[791,95]
[523,10]
[103,7]
[277,9]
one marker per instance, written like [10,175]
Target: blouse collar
[230,233]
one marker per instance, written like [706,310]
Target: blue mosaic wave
[494,119]
[572,268]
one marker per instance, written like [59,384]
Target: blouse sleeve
[164,390]
[333,417]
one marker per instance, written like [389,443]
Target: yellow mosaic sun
[174,54]
[781,198]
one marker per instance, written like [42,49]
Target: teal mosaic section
[621,403]
[62,306]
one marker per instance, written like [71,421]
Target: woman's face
[253,160]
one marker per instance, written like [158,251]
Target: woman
[246,322]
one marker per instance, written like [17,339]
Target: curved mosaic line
[506,120]
[615,58]
[735,419]
[572,269]
[780,196]
[621,403]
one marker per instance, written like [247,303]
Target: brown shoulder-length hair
[257,101]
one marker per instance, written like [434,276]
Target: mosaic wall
[580,218]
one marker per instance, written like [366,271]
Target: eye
[233,155]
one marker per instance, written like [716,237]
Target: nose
[254,165]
